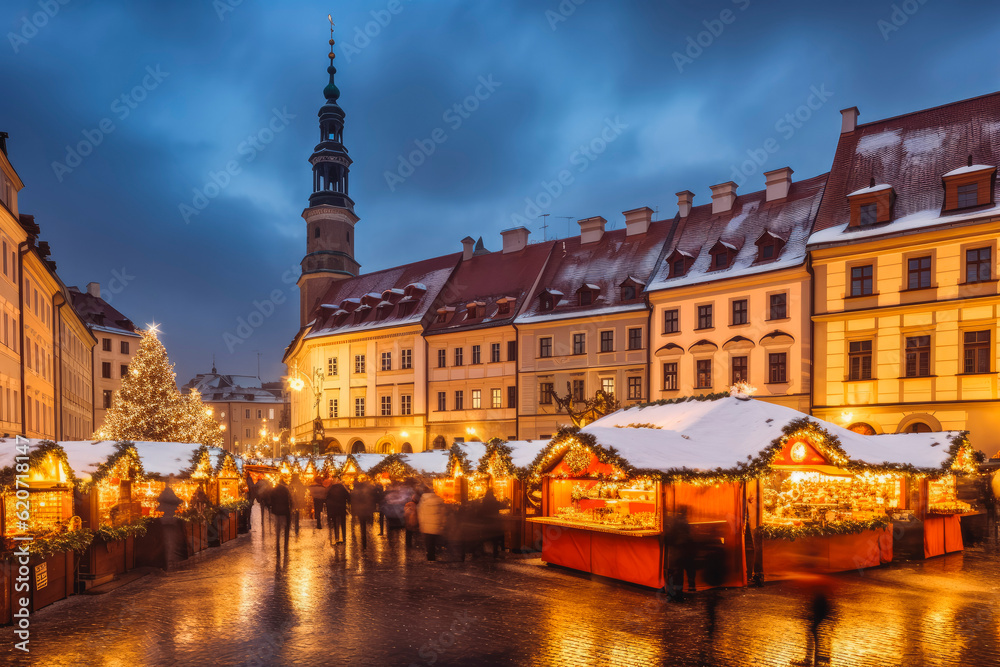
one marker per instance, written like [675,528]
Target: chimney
[514,239]
[778,182]
[849,119]
[468,246]
[592,229]
[637,220]
[684,200]
[3,142]
[723,197]
[94,289]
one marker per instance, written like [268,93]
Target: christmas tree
[149,407]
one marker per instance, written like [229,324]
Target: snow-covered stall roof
[706,435]
[524,452]
[86,457]
[158,458]
[430,462]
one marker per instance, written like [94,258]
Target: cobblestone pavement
[332,605]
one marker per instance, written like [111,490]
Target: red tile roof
[789,219]
[606,263]
[487,278]
[911,153]
[98,313]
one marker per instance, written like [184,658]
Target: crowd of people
[408,505]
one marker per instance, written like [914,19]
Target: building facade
[253,414]
[731,294]
[12,236]
[905,262]
[117,343]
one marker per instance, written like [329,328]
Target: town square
[533,333]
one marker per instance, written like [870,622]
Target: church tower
[330,218]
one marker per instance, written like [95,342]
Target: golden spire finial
[330,19]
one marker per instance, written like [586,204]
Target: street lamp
[297,382]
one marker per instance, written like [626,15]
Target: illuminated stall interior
[50,493]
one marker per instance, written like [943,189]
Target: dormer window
[586,295]
[503,307]
[871,205]
[547,302]
[969,186]
[769,246]
[722,255]
[628,292]
[679,263]
[442,317]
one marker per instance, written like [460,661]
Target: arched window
[407,448]
[918,427]
[439,443]
[316,232]
[861,428]
[358,447]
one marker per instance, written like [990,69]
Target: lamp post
[297,382]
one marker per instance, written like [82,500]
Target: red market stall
[506,468]
[36,514]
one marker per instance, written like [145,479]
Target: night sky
[200,78]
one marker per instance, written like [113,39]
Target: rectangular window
[778,306]
[106,369]
[442,358]
[705,317]
[331,366]
[477,399]
[512,350]
[496,398]
[968,195]
[740,369]
[107,399]
[777,363]
[545,393]
[859,353]
[442,401]
[387,361]
[106,344]
[671,321]
[247,413]
[124,347]
[406,359]
[512,396]
[634,388]
[359,407]
[459,356]
[670,376]
[494,353]
[578,390]
[124,370]
[704,373]
[635,338]
[868,214]
[579,343]
[406,404]
[918,356]
[977,351]
[459,400]
[332,408]
[247,433]
[387,406]
[359,363]
[918,273]
[260,414]
[476,355]
[861,280]
[608,386]
[607,341]
[544,347]
[740,311]
[978,265]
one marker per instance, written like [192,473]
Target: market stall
[505,467]
[108,501]
[36,513]
[227,492]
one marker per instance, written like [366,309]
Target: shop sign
[41,576]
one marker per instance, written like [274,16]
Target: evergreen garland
[115,533]
[680,399]
[123,451]
[36,456]
[457,456]
[846,527]
[394,466]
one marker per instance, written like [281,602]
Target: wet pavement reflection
[322,604]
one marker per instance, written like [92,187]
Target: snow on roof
[710,434]
[430,462]
[870,189]
[917,220]
[86,457]
[523,452]
[160,458]
[873,143]
[969,170]
[419,286]
[592,286]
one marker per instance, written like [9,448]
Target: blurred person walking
[298,492]
[318,494]
[281,508]
[337,500]
[432,518]
[363,506]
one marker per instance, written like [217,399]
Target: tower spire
[330,216]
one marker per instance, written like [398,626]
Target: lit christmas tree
[149,407]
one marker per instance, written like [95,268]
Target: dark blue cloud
[560,82]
